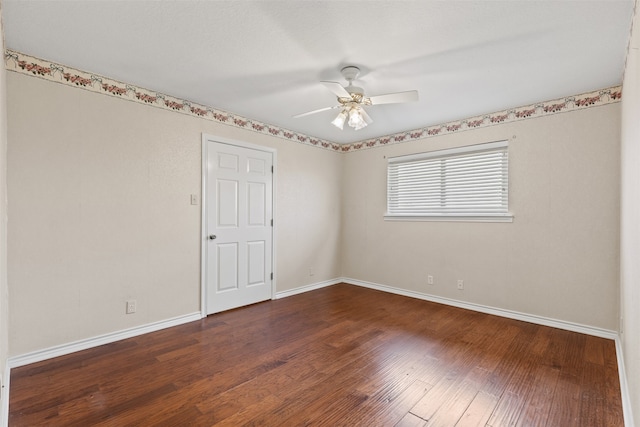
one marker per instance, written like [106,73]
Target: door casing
[206,138]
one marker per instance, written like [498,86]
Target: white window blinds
[463,182]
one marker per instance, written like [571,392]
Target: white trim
[203,232]
[624,387]
[203,226]
[307,288]
[450,218]
[4,395]
[473,187]
[476,148]
[63,349]
[275,224]
[539,320]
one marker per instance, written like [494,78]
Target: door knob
[212,237]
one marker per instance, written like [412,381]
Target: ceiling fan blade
[308,113]
[337,88]
[393,98]
[365,116]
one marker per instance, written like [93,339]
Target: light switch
[194,199]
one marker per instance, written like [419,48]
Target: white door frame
[204,247]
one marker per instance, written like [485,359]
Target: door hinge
[271,169]
[271,276]
[272,223]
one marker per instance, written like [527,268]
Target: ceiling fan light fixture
[355,119]
[340,119]
[361,125]
[351,100]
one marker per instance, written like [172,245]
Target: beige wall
[558,259]
[4,297]
[100,212]
[630,219]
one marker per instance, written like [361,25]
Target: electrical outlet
[429,280]
[311,271]
[460,284]
[131,306]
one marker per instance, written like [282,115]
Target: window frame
[452,216]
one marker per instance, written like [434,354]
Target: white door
[239,226]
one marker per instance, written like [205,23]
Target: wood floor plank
[411,420]
[467,388]
[247,416]
[556,352]
[541,341]
[593,394]
[594,350]
[479,410]
[391,409]
[536,410]
[438,396]
[341,355]
[450,413]
[515,394]
[613,411]
[565,408]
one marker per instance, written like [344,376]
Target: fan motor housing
[357,95]
[350,73]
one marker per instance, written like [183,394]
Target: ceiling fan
[351,101]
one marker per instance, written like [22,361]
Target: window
[460,184]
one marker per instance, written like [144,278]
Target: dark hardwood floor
[338,356]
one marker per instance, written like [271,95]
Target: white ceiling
[263,59]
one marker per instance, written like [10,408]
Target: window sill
[452,218]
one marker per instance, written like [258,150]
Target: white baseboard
[4,395]
[560,324]
[624,387]
[539,320]
[307,288]
[61,350]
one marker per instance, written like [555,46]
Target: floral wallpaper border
[30,65]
